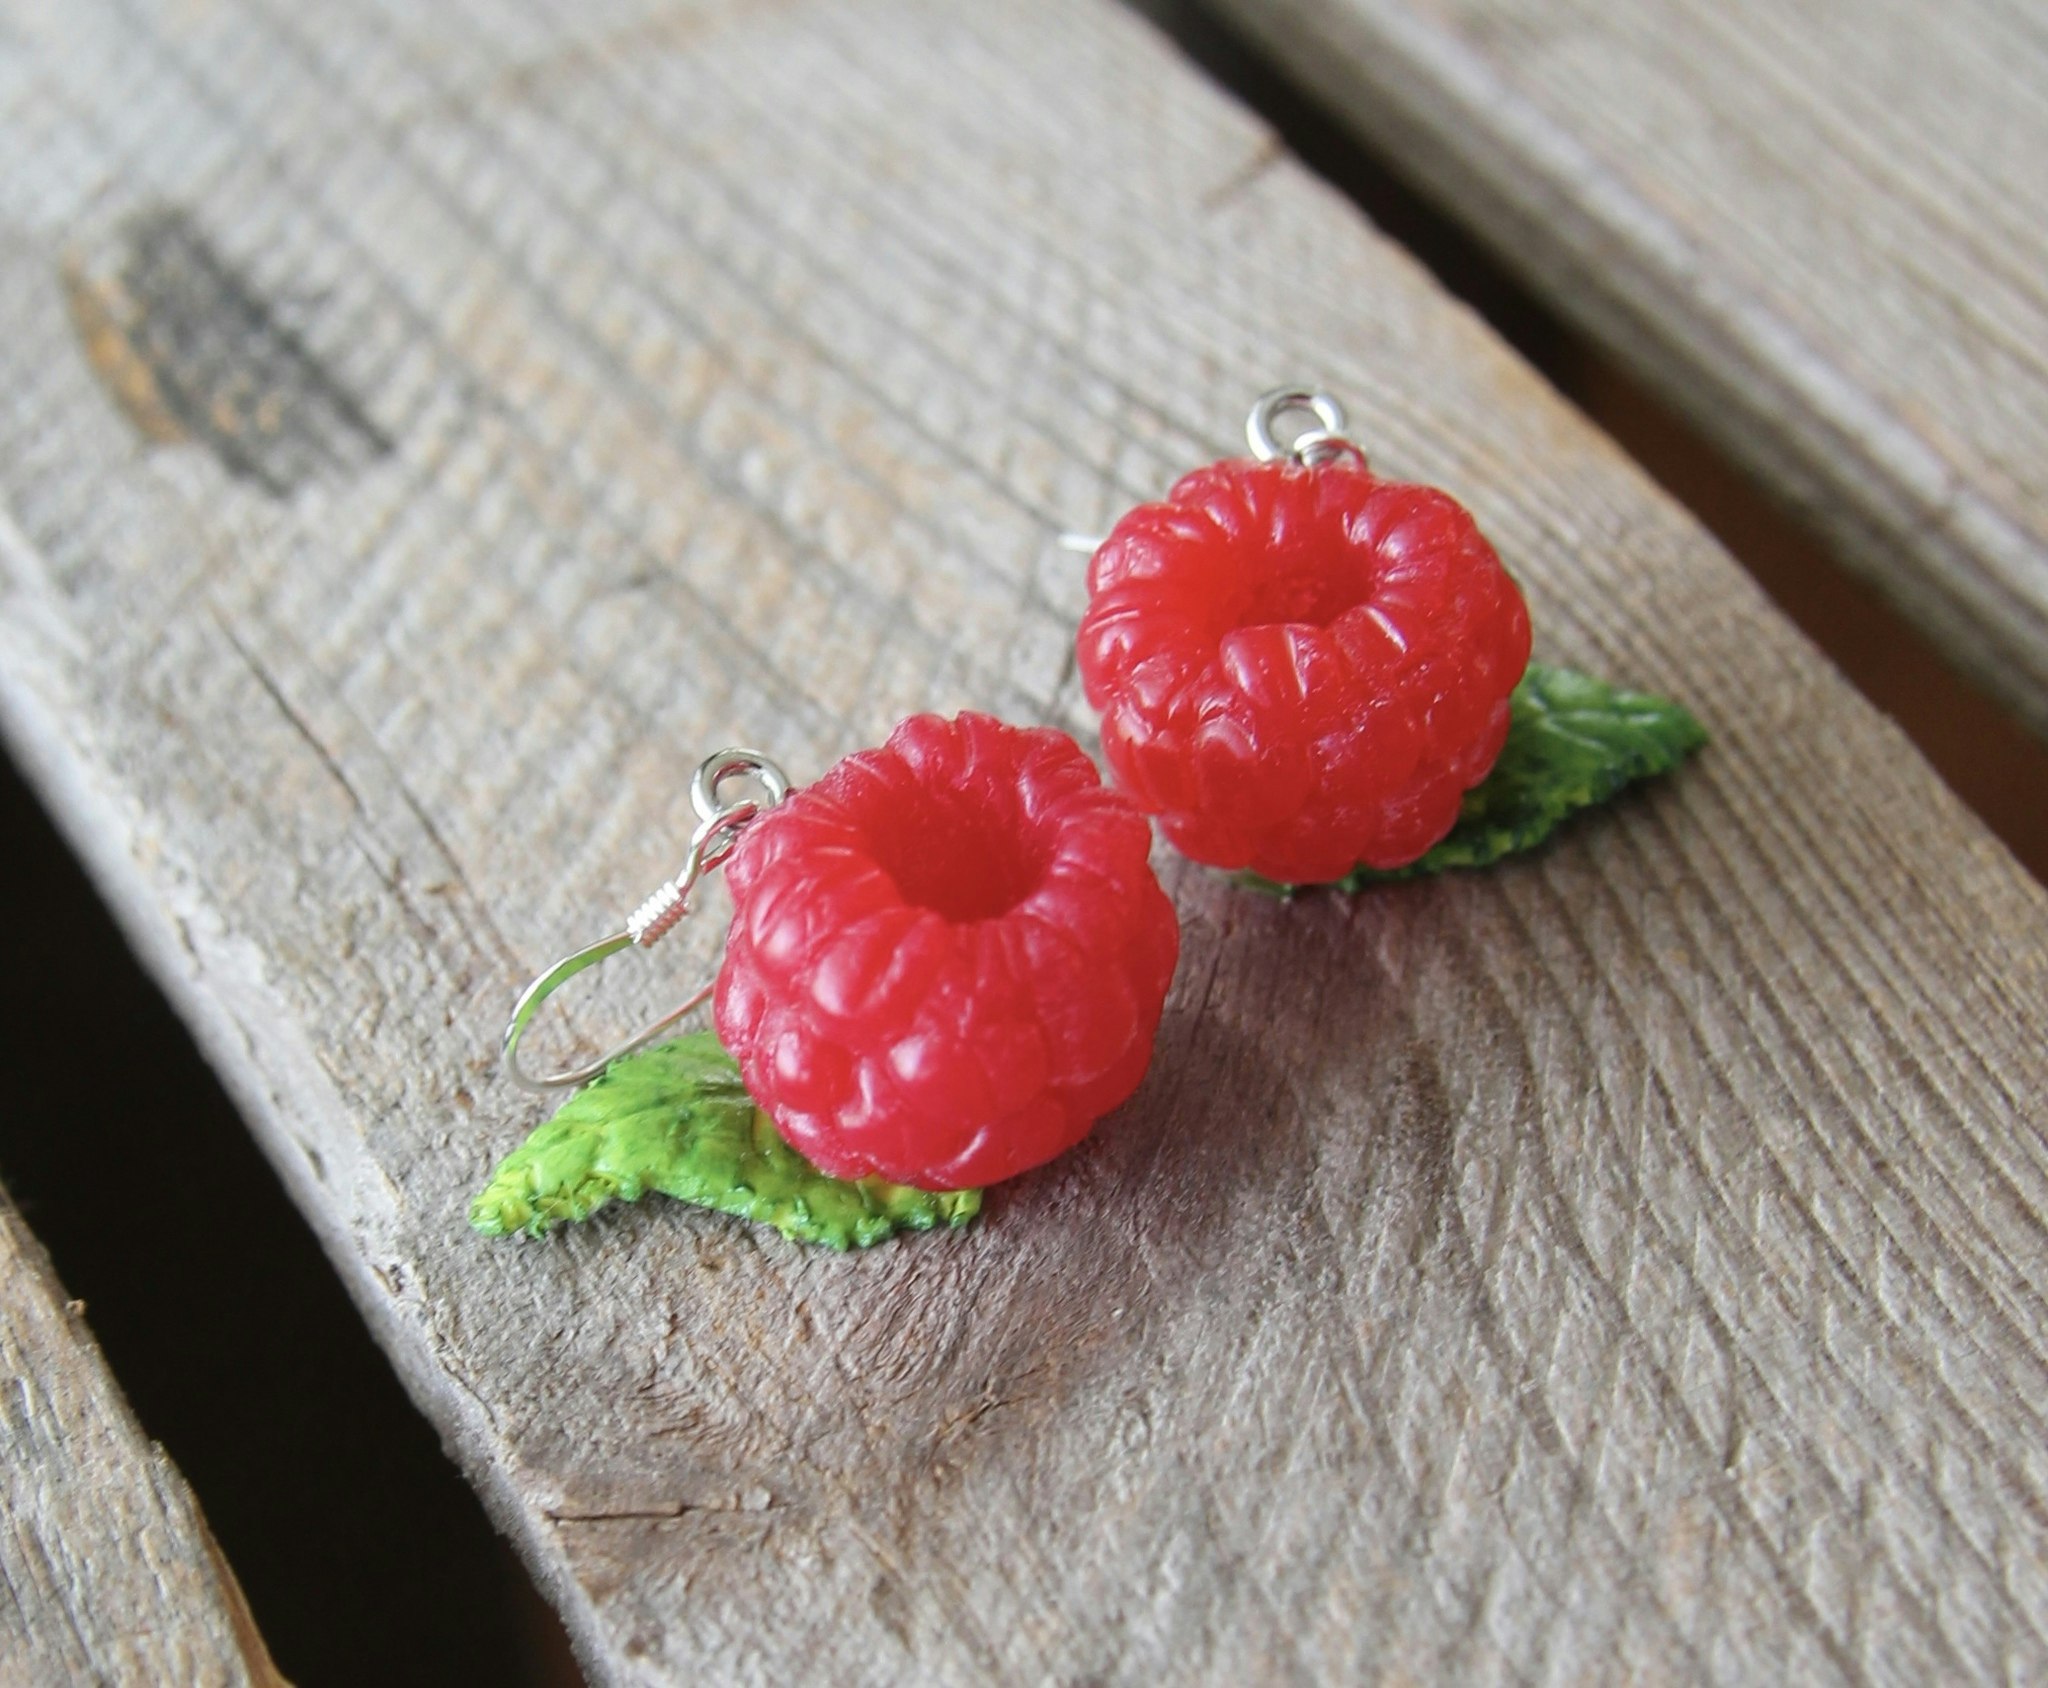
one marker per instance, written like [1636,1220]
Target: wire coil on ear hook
[719,825]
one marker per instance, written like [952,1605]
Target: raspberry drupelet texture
[1301,669]
[948,957]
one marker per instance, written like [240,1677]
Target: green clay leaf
[676,1119]
[1573,742]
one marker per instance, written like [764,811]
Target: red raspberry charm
[948,957]
[1301,667]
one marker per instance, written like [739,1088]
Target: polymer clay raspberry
[948,957]
[1301,668]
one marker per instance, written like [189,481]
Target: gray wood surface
[427,430]
[1821,230]
[108,1573]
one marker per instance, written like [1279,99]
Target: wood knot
[189,349]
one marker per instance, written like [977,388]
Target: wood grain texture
[1628,1264]
[108,1573]
[1821,231]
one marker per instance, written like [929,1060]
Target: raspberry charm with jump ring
[1301,668]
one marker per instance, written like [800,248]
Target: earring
[947,960]
[1308,673]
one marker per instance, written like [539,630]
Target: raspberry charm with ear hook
[948,959]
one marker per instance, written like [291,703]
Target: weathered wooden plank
[428,429]
[108,1573]
[1822,231]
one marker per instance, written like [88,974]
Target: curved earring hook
[718,831]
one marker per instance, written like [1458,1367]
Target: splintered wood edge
[108,1565]
[269,1068]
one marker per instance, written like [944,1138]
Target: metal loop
[1316,446]
[718,831]
[714,771]
[1323,443]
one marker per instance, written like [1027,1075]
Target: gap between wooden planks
[430,430]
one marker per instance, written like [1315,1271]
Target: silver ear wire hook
[719,825]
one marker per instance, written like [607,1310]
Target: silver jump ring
[1316,446]
[718,831]
[1321,444]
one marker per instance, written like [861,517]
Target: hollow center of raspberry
[961,860]
[1314,593]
